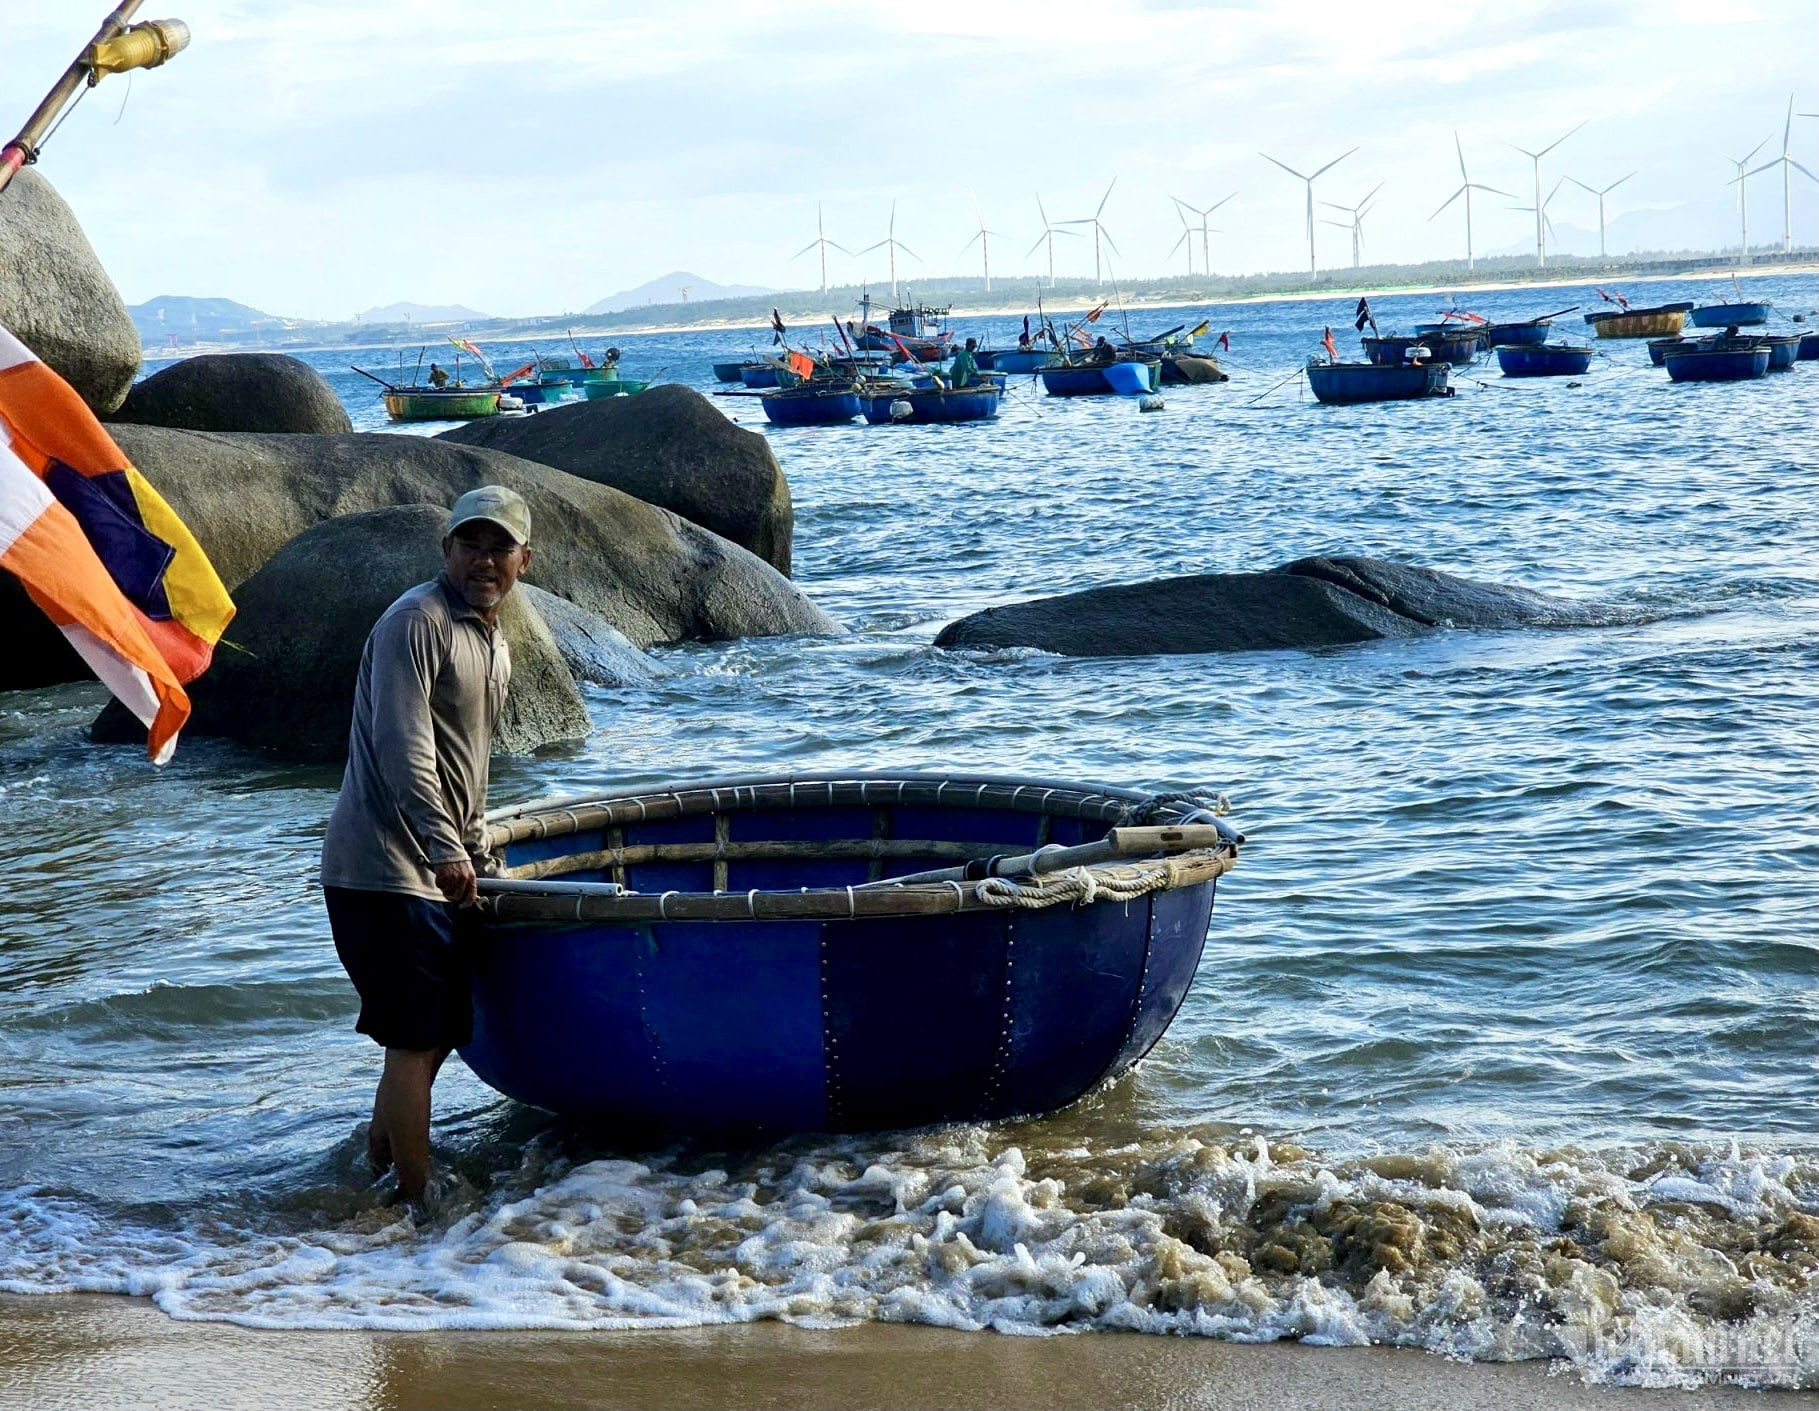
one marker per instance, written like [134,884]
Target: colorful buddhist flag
[99,550]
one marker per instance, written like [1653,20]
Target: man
[438,377]
[398,862]
[966,366]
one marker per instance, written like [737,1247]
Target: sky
[321,157]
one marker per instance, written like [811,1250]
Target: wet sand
[97,1352]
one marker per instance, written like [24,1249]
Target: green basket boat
[441,403]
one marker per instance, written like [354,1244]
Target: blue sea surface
[1518,968]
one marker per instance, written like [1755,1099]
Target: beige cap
[496,505]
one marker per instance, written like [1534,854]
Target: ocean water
[1504,1044]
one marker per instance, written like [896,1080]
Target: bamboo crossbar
[764,850]
[583,902]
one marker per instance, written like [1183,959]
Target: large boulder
[1312,602]
[668,446]
[650,574]
[286,682]
[56,298]
[592,648]
[237,392]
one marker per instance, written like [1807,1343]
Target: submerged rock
[57,299]
[284,681]
[236,392]
[668,446]
[594,650]
[1312,602]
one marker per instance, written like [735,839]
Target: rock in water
[284,681]
[593,649]
[236,392]
[668,446]
[57,299]
[653,576]
[1313,602]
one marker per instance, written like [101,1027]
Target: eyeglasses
[475,549]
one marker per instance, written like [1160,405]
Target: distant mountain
[678,288]
[190,319]
[422,313]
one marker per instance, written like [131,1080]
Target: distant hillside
[680,287]
[191,319]
[422,313]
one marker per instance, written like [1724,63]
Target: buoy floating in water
[1151,403]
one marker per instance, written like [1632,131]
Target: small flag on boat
[1616,299]
[776,326]
[1225,342]
[802,365]
[472,351]
[1200,329]
[98,549]
[512,377]
[1026,328]
[1332,349]
[1364,317]
[1093,314]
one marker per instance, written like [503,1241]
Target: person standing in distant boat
[966,366]
[438,377]
[401,858]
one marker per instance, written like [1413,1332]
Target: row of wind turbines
[1355,213]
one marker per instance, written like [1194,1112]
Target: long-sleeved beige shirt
[432,682]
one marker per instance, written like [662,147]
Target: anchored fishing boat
[1395,349]
[1128,376]
[912,334]
[890,402]
[1018,361]
[441,403]
[1662,321]
[743,955]
[1809,347]
[1543,360]
[1741,314]
[1346,383]
[810,404]
[1721,363]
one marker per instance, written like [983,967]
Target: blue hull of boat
[1559,360]
[1133,379]
[767,1027]
[1717,364]
[794,408]
[1016,362]
[1503,335]
[1730,315]
[930,404]
[1783,352]
[1075,381]
[1809,347]
[1344,383]
[758,378]
[728,372]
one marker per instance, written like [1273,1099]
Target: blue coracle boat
[1017,361]
[1543,360]
[1809,348]
[810,404]
[1739,315]
[758,376]
[729,372]
[1717,364]
[884,404]
[1528,331]
[1377,382]
[735,956]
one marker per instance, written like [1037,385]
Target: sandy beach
[103,1352]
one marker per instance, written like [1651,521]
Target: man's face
[484,563]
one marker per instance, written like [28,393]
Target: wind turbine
[1356,224]
[1600,195]
[893,244]
[1784,161]
[1542,221]
[1540,206]
[1206,247]
[823,242]
[1310,196]
[1466,190]
[1187,234]
[1743,209]
[1048,234]
[1098,231]
[985,244]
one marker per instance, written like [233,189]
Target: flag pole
[116,47]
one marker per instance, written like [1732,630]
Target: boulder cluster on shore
[657,520]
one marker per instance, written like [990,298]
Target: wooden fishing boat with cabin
[846,952]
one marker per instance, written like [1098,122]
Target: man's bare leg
[401,1110]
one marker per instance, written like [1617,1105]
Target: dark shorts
[412,962]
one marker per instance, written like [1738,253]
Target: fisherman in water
[399,859]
